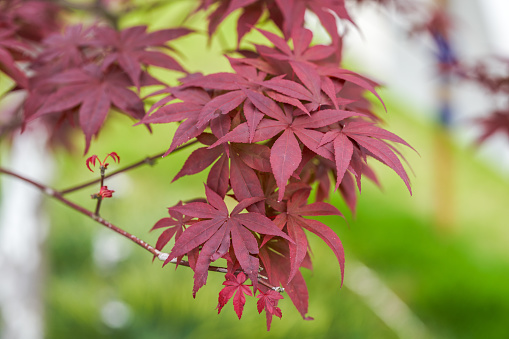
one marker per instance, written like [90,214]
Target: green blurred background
[449,264]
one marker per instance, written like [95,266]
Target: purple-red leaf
[234,285]
[268,301]
[330,238]
[222,104]
[285,157]
[385,154]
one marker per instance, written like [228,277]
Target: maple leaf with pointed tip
[286,153]
[234,86]
[318,171]
[268,301]
[303,61]
[352,77]
[95,92]
[234,285]
[316,68]
[293,14]
[235,167]
[217,230]
[275,259]
[286,14]
[10,47]
[67,50]
[188,111]
[252,10]
[291,217]
[175,226]
[133,46]
[365,137]
[342,149]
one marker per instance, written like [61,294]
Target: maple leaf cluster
[85,72]
[23,25]
[80,74]
[286,14]
[288,118]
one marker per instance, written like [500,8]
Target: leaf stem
[146,161]
[100,198]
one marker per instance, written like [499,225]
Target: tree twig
[146,161]
[160,255]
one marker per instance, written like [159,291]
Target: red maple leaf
[11,49]
[234,285]
[194,100]
[286,153]
[218,230]
[275,258]
[67,50]
[176,223]
[133,47]
[293,13]
[291,217]
[95,92]
[315,66]
[286,14]
[363,136]
[238,172]
[268,301]
[303,61]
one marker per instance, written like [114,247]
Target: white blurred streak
[384,302]
[23,229]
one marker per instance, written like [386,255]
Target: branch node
[162,256]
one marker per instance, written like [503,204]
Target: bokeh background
[431,265]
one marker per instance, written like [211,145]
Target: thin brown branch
[99,197]
[160,255]
[56,195]
[147,161]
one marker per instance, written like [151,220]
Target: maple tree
[288,118]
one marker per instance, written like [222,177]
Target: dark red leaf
[222,104]
[330,238]
[385,154]
[285,157]
[234,285]
[218,231]
[268,301]
[198,161]
[218,178]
